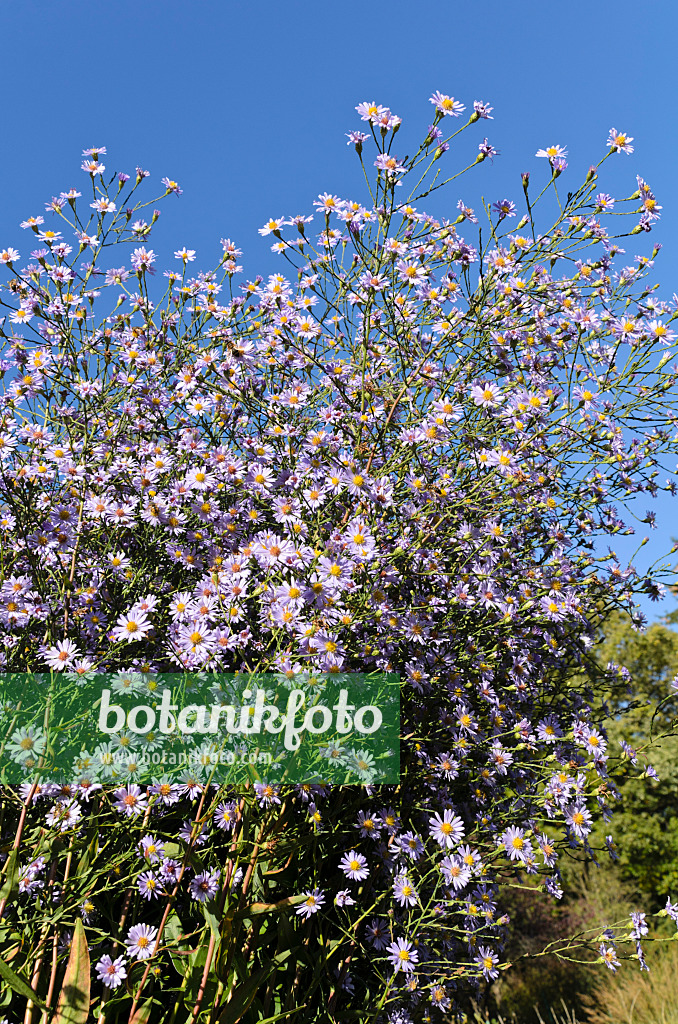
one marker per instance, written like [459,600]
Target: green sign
[126,727]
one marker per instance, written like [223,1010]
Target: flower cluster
[383,466]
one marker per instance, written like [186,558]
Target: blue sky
[246,106]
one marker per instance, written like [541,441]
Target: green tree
[644,708]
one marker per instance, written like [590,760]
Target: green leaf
[243,996]
[19,984]
[88,856]
[11,872]
[211,918]
[142,1013]
[271,908]
[284,1014]
[73,1003]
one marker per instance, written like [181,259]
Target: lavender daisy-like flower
[402,955]
[368,824]
[404,892]
[608,955]
[672,910]
[488,960]
[167,791]
[311,904]
[140,941]
[504,208]
[204,886]
[515,844]
[447,831]
[149,885]
[456,873]
[169,870]
[447,105]
[65,814]
[377,933]
[619,141]
[344,898]
[192,832]
[354,865]
[152,849]
[111,972]
[552,153]
[410,845]
[130,800]
[224,816]
[25,744]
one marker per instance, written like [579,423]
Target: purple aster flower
[168,792]
[357,139]
[487,150]
[130,800]
[515,844]
[377,933]
[483,109]
[404,892]
[354,865]
[204,886]
[548,730]
[402,955]
[672,910]
[488,960]
[140,941]
[410,845]
[224,816]
[267,793]
[368,824]
[149,885]
[192,832]
[171,186]
[152,849]
[111,972]
[311,904]
[169,870]
[504,208]
[619,142]
[344,898]
[639,923]
[457,874]
[579,819]
[447,831]
[609,956]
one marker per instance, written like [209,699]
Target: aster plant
[406,454]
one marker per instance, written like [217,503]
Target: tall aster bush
[401,455]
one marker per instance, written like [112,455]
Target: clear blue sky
[246,106]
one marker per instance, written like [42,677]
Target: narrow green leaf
[73,1003]
[11,873]
[271,908]
[243,996]
[211,918]
[19,984]
[174,929]
[284,1014]
[142,1013]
